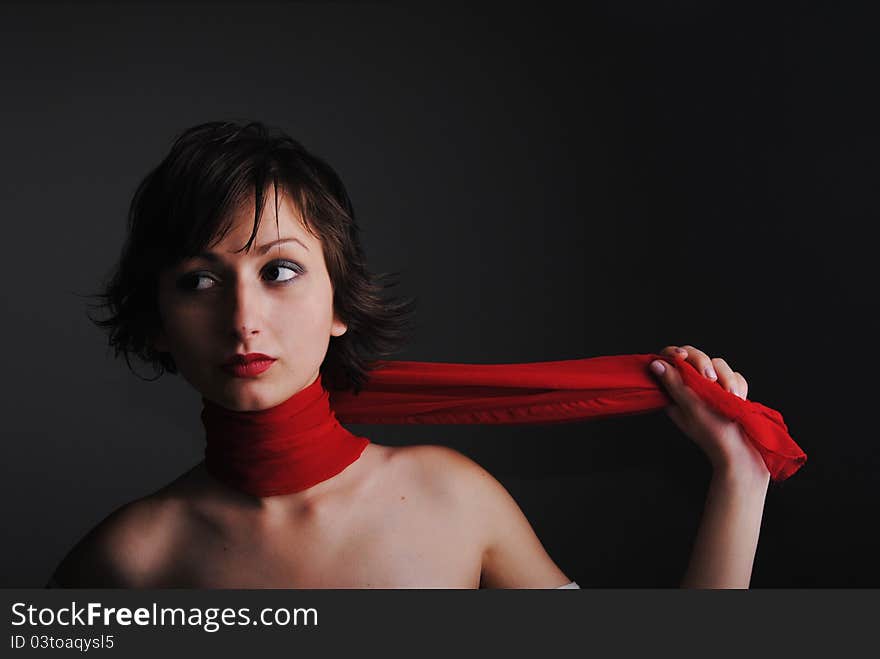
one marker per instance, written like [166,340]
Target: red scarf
[284,449]
[299,443]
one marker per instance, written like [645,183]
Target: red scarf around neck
[280,450]
[300,442]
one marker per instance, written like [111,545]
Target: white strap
[571,584]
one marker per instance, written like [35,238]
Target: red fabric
[284,449]
[300,442]
[553,392]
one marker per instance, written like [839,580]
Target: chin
[260,393]
[250,396]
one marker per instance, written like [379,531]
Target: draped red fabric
[552,392]
[280,450]
[300,442]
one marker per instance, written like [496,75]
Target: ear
[338,328]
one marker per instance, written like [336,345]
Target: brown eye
[282,272]
[195,281]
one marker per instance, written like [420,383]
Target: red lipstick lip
[247,358]
[249,365]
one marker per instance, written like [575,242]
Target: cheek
[304,317]
[305,320]
[186,327]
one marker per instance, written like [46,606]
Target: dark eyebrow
[261,250]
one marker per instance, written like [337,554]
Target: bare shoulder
[468,490]
[124,549]
[513,556]
[450,471]
[441,469]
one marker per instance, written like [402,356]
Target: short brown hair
[186,202]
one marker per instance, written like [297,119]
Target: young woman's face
[275,299]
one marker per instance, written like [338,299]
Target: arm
[727,539]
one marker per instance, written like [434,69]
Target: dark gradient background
[549,185]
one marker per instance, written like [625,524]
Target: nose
[245,319]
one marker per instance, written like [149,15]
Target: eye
[195,281]
[281,272]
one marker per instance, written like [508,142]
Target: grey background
[550,186]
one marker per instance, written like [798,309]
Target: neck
[284,450]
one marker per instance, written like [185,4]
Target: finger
[675,387]
[673,351]
[727,378]
[743,383]
[701,361]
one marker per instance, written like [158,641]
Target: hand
[721,439]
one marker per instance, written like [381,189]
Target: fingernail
[710,373]
[680,351]
[658,367]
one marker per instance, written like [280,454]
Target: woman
[262,307]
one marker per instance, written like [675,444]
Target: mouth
[248,366]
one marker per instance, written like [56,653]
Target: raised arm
[727,538]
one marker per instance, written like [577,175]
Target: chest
[393,541]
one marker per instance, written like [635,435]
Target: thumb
[671,380]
